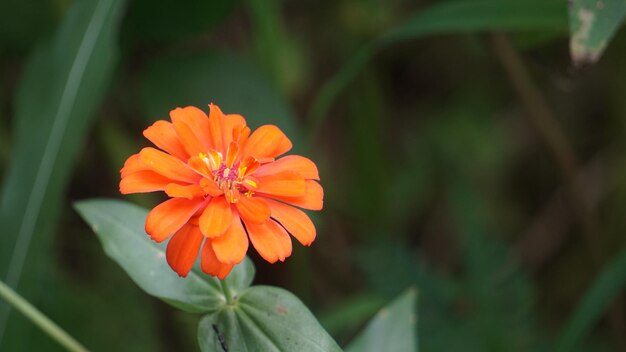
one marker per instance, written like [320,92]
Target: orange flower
[226,187]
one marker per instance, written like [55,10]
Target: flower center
[232,176]
[229,181]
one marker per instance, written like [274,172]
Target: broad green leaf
[233,84]
[393,329]
[592,25]
[264,318]
[445,17]
[606,287]
[120,227]
[62,85]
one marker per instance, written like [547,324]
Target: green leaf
[392,329]
[592,24]
[264,318]
[62,86]
[443,18]
[605,288]
[232,83]
[120,227]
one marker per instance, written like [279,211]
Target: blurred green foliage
[433,175]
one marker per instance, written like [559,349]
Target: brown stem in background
[553,136]
[546,124]
[548,232]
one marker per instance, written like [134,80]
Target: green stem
[227,294]
[43,322]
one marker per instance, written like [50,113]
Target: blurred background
[460,149]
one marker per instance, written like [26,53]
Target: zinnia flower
[225,187]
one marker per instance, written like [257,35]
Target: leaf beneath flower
[120,227]
[264,318]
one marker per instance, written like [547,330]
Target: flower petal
[222,127]
[192,126]
[270,240]
[253,210]
[132,165]
[182,249]
[210,187]
[285,183]
[234,129]
[313,198]
[295,163]
[199,166]
[231,247]
[216,218]
[175,190]
[167,165]
[142,182]
[267,141]
[210,264]
[169,216]
[164,136]
[216,128]
[295,221]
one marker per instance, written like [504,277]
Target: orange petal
[199,166]
[217,128]
[169,216]
[267,141]
[270,240]
[178,191]
[143,181]
[182,249]
[163,135]
[216,218]
[296,163]
[231,247]
[313,198]
[188,138]
[253,210]
[295,221]
[235,129]
[248,166]
[167,165]
[210,187]
[132,165]
[192,126]
[210,264]
[285,183]
[231,154]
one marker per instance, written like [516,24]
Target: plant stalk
[227,293]
[39,319]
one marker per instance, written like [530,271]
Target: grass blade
[605,288]
[62,86]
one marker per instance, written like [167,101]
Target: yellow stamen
[250,183]
[214,160]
